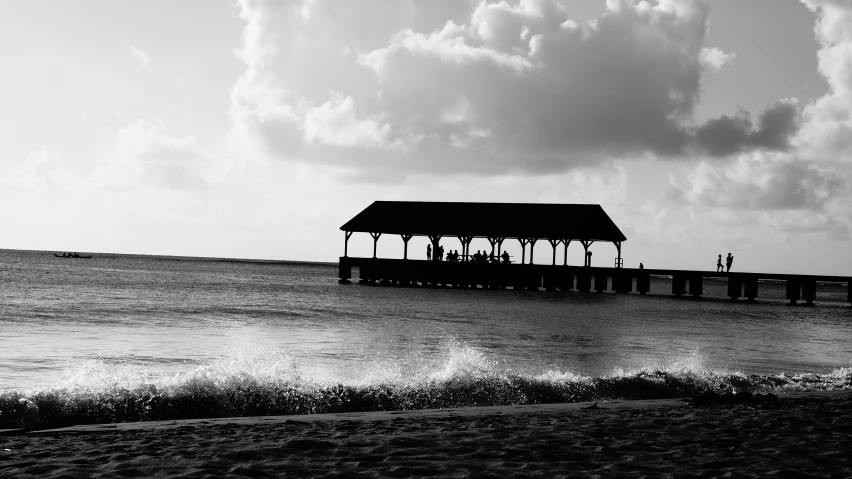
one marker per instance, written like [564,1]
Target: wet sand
[800,435]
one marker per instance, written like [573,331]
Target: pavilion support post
[586,245]
[376,237]
[436,240]
[406,239]
[465,242]
[553,243]
[500,246]
[523,242]
[532,247]
[618,261]
[566,242]
[346,244]
[493,241]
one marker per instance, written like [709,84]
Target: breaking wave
[97,391]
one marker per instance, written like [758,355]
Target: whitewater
[130,338]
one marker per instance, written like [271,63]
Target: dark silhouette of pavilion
[526,222]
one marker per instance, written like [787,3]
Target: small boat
[72,255]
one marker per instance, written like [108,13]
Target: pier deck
[404,272]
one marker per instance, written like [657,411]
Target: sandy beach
[800,435]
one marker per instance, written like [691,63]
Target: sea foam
[272,383]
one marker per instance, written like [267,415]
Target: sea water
[128,338]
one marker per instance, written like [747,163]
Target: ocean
[127,338]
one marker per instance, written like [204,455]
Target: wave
[98,391]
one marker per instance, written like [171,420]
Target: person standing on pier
[428,252]
[719,267]
[729,261]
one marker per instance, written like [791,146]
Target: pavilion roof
[506,220]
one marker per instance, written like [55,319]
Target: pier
[560,225]
[414,273]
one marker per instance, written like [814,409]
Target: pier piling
[809,291]
[643,283]
[566,281]
[735,287]
[678,284]
[584,282]
[600,282]
[750,284]
[344,271]
[696,284]
[794,288]
[622,282]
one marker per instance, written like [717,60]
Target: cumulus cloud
[827,128]
[762,181]
[39,169]
[484,87]
[728,135]
[714,59]
[335,123]
[142,156]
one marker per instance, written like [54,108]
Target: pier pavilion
[527,223]
[558,224]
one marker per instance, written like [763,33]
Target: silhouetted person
[491,256]
[505,257]
[456,256]
[641,266]
[719,265]
[729,261]
[428,252]
[588,258]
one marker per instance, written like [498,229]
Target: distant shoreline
[162,257]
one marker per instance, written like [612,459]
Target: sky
[256,128]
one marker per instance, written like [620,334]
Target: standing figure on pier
[428,252]
[719,267]
[729,261]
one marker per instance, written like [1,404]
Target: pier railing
[402,272]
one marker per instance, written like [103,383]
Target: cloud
[479,87]
[42,168]
[827,129]
[335,123]
[714,59]
[728,135]
[142,156]
[762,181]
[140,55]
